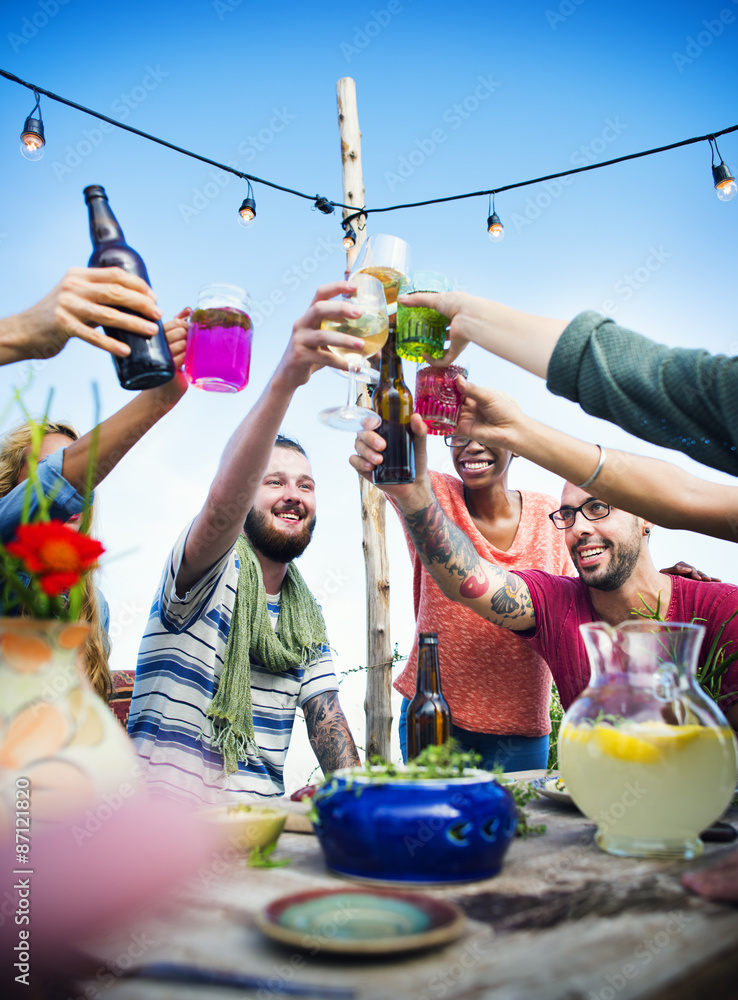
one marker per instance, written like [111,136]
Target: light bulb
[32,139]
[247,213]
[349,238]
[495,229]
[725,186]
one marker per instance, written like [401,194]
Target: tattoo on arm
[329,734]
[459,570]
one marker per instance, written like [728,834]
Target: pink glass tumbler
[437,399]
[218,355]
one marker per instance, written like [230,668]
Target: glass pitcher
[643,751]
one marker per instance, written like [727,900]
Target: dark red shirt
[563,603]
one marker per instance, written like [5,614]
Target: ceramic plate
[360,921]
[548,786]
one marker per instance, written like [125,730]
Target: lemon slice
[577,734]
[670,737]
[624,746]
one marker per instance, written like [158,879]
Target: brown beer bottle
[150,362]
[428,714]
[393,401]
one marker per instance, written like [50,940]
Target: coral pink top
[493,682]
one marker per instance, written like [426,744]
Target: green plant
[523,793]
[261,857]
[717,661]
[432,763]
[555,714]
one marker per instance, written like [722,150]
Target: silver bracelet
[597,471]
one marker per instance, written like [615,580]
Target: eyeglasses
[593,510]
[456,441]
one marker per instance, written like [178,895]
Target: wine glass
[387,258]
[373,327]
[366,375]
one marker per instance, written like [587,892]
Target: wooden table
[563,921]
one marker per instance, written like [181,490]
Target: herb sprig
[432,763]
[261,857]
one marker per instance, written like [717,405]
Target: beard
[623,561]
[271,542]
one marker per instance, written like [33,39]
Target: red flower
[58,555]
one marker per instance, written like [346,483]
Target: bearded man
[616,576]
[235,642]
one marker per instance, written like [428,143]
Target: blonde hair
[13,455]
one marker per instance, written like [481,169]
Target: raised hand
[176,331]
[84,299]
[368,455]
[488,416]
[307,350]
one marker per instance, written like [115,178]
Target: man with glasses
[507,720]
[616,576]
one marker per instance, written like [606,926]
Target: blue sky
[451,98]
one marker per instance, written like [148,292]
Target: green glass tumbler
[422,331]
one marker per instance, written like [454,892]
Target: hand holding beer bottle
[149,363]
[393,401]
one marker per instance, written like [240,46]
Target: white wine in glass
[386,258]
[372,326]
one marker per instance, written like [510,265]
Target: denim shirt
[67,501]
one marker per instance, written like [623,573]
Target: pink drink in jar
[437,399]
[218,355]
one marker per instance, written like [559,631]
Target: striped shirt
[179,666]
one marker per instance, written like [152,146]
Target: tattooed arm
[328,732]
[447,553]
[462,574]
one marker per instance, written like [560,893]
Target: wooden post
[378,645]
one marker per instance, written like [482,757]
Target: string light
[323,205]
[247,211]
[723,180]
[349,236]
[495,229]
[32,139]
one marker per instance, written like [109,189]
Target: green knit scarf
[298,640]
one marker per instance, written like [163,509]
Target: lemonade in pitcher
[648,783]
[643,751]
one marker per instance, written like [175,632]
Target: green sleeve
[674,397]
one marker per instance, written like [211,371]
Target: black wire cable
[710,137]
[163,142]
[562,173]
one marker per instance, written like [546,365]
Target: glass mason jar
[218,356]
[643,751]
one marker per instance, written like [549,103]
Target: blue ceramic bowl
[433,831]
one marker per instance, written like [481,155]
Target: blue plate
[361,921]
[547,786]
